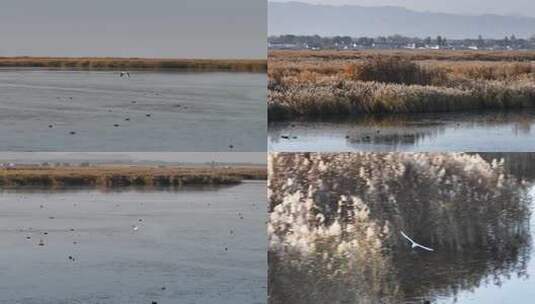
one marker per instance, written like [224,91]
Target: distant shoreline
[414,55]
[118,176]
[154,64]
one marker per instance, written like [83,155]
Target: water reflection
[521,165]
[433,131]
[335,226]
[134,189]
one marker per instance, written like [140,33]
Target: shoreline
[117,176]
[135,64]
[416,55]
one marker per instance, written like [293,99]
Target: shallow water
[179,246]
[188,111]
[508,287]
[470,132]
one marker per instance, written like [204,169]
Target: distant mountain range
[356,21]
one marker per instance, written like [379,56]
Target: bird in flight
[414,244]
[127,74]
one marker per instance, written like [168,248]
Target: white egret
[414,244]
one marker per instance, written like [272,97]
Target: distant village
[294,42]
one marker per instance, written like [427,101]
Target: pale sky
[470,7]
[134,28]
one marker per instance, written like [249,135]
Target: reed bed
[94,63]
[108,176]
[358,97]
[335,221]
[414,55]
[432,71]
[391,83]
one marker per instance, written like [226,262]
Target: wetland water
[490,131]
[175,253]
[151,111]
[480,229]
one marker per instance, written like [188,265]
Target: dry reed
[94,63]
[108,176]
[310,84]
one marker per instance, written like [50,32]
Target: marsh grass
[94,63]
[108,176]
[335,218]
[414,55]
[342,97]
[392,83]
[393,70]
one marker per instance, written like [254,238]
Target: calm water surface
[506,287]
[493,131]
[175,254]
[187,111]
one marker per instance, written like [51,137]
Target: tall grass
[90,63]
[414,55]
[335,220]
[401,70]
[124,176]
[342,97]
[394,70]
[395,84]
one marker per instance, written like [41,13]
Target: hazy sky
[472,7]
[143,28]
[187,157]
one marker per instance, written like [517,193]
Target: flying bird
[414,244]
[127,74]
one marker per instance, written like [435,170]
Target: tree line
[399,41]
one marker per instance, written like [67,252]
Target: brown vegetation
[409,54]
[109,176]
[314,84]
[335,221]
[94,63]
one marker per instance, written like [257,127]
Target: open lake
[49,110]
[471,132]
[205,245]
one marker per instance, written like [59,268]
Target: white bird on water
[414,244]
